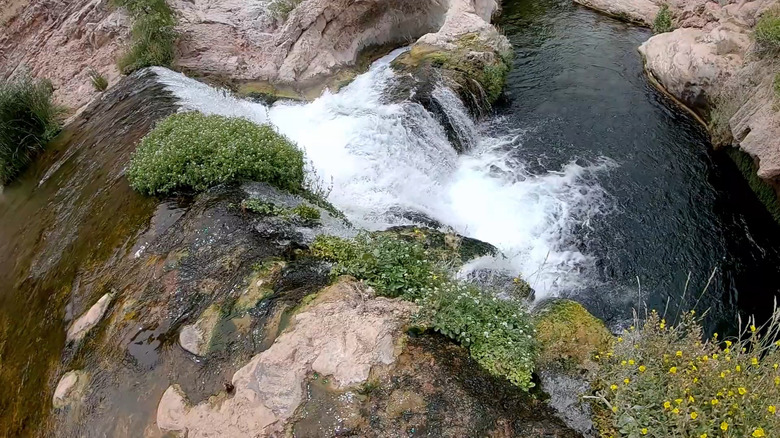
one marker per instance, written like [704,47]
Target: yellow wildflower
[738,368]
[754,361]
[626,381]
[678,354]
[614,408]
[777,343]
[644,431]
[728,343]
[724,426]
[620,339]
[642,368]
[675,411]
[631,361]
[694,415]
[695,380]
[673,370]
[623,363]
[722,375]
[678,401]
[613,387]
[714,401]
[667,405]
[772,409]
[777,380]
[758,433]
[742,391]
[690,399]
[714,356]
[752,328]
[704,435]
[774,366]
[715,335]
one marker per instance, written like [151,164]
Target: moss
[763,190]
[260,286]
[569,336]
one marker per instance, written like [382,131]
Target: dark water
[677,206]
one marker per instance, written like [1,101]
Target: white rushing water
[387,159]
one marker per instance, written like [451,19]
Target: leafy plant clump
[498,333]
[664,381]
[153,35]
[192,151]
[767,31]
[303,212]
[97,80]
[663,20]
[280,9]
[28,120]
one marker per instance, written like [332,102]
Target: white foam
[385,158]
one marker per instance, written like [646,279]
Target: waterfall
[391,162]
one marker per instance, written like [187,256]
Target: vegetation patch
[153,35]
[301,212]
[192,151]
[663,20]
[280,9]
[498,333]
[569,336]
[767,31]
[765,192]
[665,381]
[98,81]
[28,120]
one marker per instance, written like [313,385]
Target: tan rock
[70,388]
[196,338]
[343,333]
[89,319]
[640,11]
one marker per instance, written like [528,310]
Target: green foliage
[302,212]
[767,31]
[498,333]
[28,120]
[664,381]
[192,151]
[393,266]
[663,20]
[98,81]
[153,35]
[281,9]
[493,79]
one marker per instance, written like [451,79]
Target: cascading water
[391,162]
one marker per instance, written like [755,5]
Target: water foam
[385,159]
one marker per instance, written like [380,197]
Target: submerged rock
[70,389]
[343,333]
[90,319]
[196,338]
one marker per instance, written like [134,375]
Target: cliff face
[710,65]
[304,47]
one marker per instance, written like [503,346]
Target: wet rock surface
[90,319]
[70,388]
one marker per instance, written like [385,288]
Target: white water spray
[389,159]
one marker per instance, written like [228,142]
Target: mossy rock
[470,61]
[569,337]
[448,245]
[260,286]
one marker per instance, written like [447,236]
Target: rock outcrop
[343,333]
[317,43]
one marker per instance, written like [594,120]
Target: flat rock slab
[342,333]
[70,388]
[90,319]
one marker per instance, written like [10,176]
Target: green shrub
[263,208]
[192,151]
[98,81]
[280,9]
[663,20]
[153,35]
[767,31]
[306,213]
[303,212]
[498,333]
[664,381]
[28,120]
[393,266]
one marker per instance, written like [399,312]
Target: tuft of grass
[498,333]
[767,32]
[28,120]
[153,35]
[661,380]
[280,9]
[663,20]
[98,81]
[192,151]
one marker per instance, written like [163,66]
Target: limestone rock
[70,388]
[196,338]
[343,333]
[90,319]
[639,11]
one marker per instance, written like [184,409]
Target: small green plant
[192,151]
[280,9]
[28,120]
[306,213]
[498,333]
[302,212]
[263,208]
[98,81]
[767,31]
[663,20]
[153,35]
[661,380]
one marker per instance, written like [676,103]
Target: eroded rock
[343,333]
[70,389]
[196,338]
[90,319]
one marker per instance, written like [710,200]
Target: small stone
[90,319]
[196,338]
[70,388]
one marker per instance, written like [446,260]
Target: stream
[592,184]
